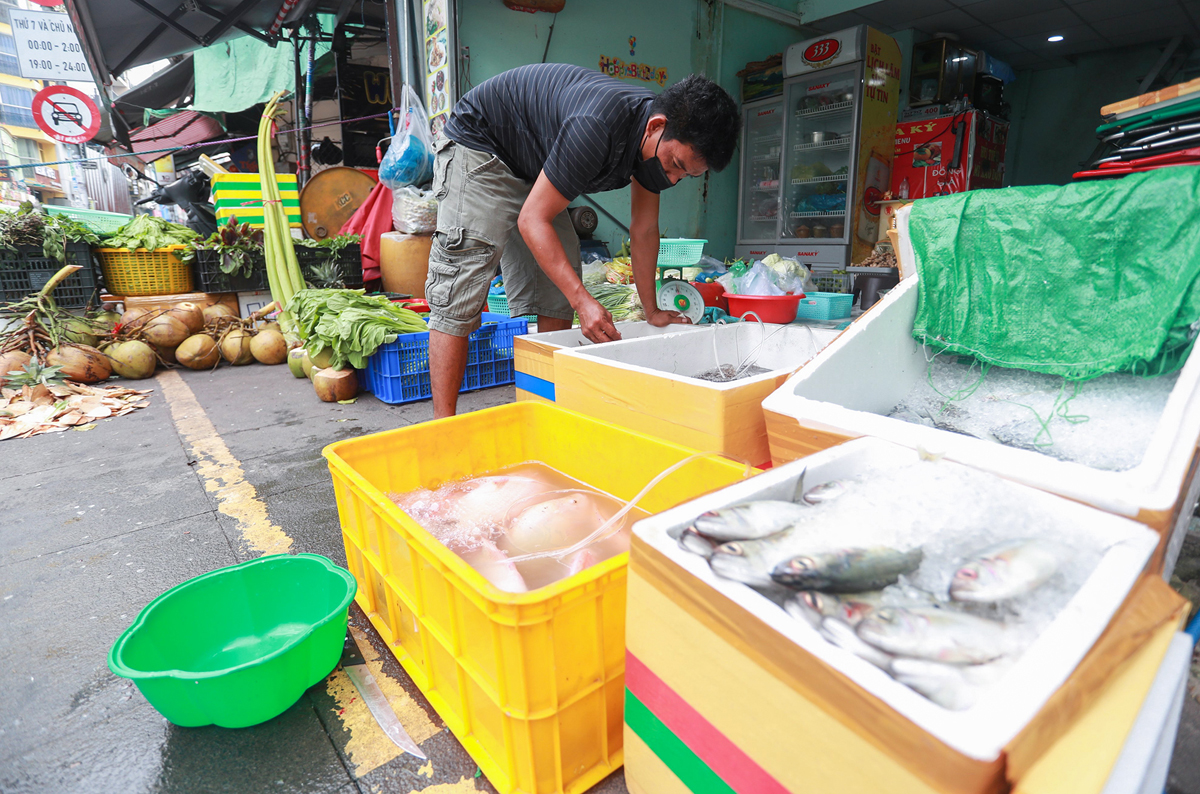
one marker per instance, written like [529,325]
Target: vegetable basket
[498,304]
[142,272]
[680,252]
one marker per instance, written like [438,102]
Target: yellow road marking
[220,470]
[369,747]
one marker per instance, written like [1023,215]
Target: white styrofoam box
[573,337]
[851,386]
[681,355]
[250,302]
[1003,709]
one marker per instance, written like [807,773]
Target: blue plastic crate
[399,371]
[824,306]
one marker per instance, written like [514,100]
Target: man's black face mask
[650,173]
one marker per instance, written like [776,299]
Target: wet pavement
[220,468]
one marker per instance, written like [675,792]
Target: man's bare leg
[551,324]
[447,363]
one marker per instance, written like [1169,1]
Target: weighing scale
[675,294]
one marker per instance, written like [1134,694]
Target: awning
[163,90]
[181,129]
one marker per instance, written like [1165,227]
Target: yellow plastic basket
[531,683]
[142,272]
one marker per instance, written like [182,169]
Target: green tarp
[240,73]
[1077,281]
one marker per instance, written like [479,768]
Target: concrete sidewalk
[222,467]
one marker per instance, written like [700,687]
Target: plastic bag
[787,274]
[414,211]
[754,280]
[409,160]
[708,264]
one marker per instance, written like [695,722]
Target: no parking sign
[66,114]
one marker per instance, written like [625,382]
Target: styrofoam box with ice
[573,337]
[949,510]
[773,348]
[852,386]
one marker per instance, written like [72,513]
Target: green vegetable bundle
[28,227]
[621,300]
[149,232]
[283,271]
[349,323]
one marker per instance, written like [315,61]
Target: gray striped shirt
[581,127]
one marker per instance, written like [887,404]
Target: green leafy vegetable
[351,324]
[29,227]
[149,232]
[239,247]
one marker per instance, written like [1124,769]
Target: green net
[1077,281]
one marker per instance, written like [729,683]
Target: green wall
[1056,112]
[684,36]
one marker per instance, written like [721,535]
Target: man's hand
[595,321]
[660,318]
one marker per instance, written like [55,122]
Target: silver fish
[941,635]
[825,492]
[1005,571]
[951,686]
[847,570]
[844,637]
[749,521]
[751,561]
[812,606]
[693,541]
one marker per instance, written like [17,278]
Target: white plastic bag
[414,211]
[757,281]
[409,158]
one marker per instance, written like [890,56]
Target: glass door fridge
[819,160]
[760,191]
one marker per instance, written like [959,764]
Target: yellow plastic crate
[143,272]
[532,684]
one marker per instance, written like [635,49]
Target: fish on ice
[847,570]
[825,492]
[751,561]
[941,635]
[1006,570]
[812,605]
[749,521]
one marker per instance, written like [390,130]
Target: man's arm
[535,224]
[643,249]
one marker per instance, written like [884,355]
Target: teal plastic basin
[239,645]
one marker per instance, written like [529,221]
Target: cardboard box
[201,299]
[647,384]
[723,685]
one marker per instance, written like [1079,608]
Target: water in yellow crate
[525,526]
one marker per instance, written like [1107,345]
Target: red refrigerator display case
[948,154]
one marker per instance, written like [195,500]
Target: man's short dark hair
[703,115]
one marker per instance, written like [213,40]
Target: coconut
[166,354]
[323,359]
[333,385]
[189,314]
[165,331]
[80,331]
[235,347]
[295,361]
[133,317]
[106,318]
[198,351]
[269,325]
[80,363]
[14,361]
[306,364]
[268,347]
[133,359]
[215,310]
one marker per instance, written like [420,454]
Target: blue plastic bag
[409,160]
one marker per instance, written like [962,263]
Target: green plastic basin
[237,646]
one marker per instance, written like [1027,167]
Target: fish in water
[846,570]
[1005,570]
[812,606]
[940,635]
[554,523]
[825,492]
[494,564]
[751,561]
[749,521]
[693,541]
[951,686]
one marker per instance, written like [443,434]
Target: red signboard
[925,152]
[821,51]
[66,114]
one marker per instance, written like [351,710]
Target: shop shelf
[27,269]
[830,178]
[827,110]
[840,143]
[532,684]
[398,372]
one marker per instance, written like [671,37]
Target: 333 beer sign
[821,52]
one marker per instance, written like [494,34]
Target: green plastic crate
[97,221]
